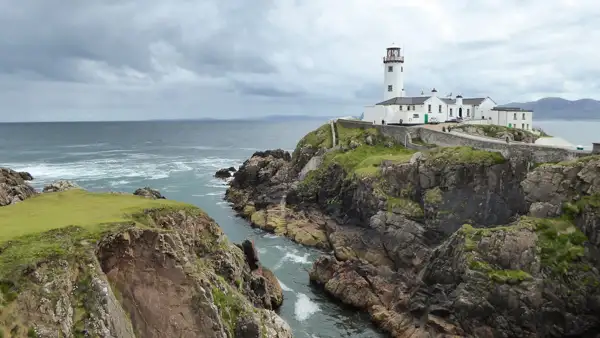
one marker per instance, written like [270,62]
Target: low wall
[539,154]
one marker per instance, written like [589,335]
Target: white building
[397,108]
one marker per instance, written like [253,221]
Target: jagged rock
[61,185]
[250,253]
[148,192]
[395,223]
[13,188]
[26,176]
[223,173]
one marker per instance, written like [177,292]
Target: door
[510,125]
[426,118]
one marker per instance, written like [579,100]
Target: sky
[161,59]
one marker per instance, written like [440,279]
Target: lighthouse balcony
[387,59]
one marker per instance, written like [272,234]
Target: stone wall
[538,154]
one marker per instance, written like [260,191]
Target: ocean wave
[292,257]
[283,286]
[140,166]
[305,307]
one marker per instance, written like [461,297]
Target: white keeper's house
[397,108]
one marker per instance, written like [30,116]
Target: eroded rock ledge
[142,267]
[447,242]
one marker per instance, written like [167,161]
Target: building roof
[475,101]
[512,109]
[404,100]
[447,100]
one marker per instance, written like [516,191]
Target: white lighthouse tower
[393,68]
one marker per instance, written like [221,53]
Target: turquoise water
[179,159]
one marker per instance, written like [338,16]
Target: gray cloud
[134,59]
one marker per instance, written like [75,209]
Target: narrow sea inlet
[179,159]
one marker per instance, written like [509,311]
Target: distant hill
[284,118]
[556,108]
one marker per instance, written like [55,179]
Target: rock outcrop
[436,242]
[225,172]
[150,193]
[61,185]
[158,268]
[13,186]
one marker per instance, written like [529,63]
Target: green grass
[347,135]
[60,224]
[560,243]
[464,155]
[582,160]
[71,208]
[318,138]
[366,160]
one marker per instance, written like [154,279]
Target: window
[523,116]
[415,116]
[401,107]
[390,69]
[527,126]
[429,108]
[515,117]
[468,111]
[390,89]
[522,125]
[450,112]
[401,69]
[440,109]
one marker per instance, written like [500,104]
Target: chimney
[459,101]
[434,92]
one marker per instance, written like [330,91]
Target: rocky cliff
[80,264]
[450,241]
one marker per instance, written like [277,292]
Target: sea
[179,159]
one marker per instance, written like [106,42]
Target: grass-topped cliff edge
[76,264]
[50,225]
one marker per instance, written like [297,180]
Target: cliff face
[131,267]
[396,222]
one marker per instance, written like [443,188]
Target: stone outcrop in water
[130,267]
[13,186]
[437,242]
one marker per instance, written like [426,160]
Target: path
[333,136]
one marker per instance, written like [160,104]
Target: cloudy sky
[148,59]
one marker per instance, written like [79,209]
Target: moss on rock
[404,206]
[464,155]
[318,138]
[433,196]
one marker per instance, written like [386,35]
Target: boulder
[13,186]
[223,173]
[148,192]
[61,185]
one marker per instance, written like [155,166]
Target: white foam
[217,193]
[270,236]
[292,257]
[304,307]
[137,165]
[118,183]
[283,286]
[100,144]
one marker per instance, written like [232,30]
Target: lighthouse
[393,76]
